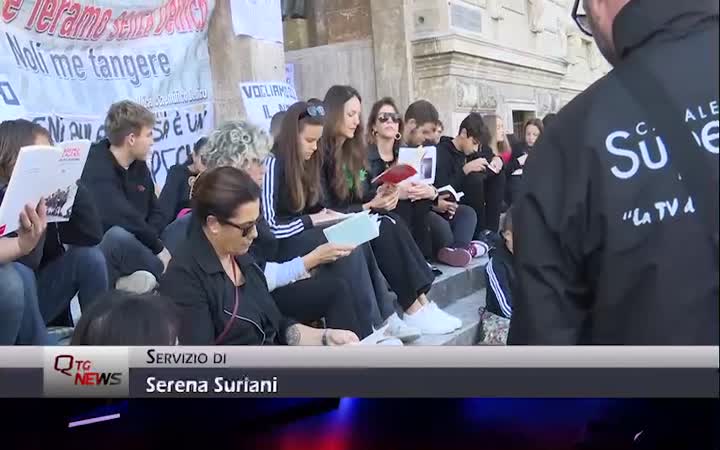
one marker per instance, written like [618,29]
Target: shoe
[381,337]
[454,257]
[391,341]
[478,249]
[454,321]
[430,320]
[397,328]
[140,282]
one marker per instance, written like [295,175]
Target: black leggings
[485,194]
[401,261]
[415,216]
[317,297]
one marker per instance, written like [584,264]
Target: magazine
[44,172]
[423,160]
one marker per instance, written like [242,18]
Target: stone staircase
[459,292]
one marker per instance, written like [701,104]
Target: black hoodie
[450,163]
[608,246]
[124,197]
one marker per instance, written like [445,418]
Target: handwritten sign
[263,100]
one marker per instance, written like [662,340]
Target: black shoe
[437,272]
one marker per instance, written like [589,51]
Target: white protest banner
[69,61]
[263,100]
[290,74]
[10,105]
[259,19]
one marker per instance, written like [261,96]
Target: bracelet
[324,339]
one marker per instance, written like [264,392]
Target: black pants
[368,288]
[125,255]
[318,297]
[485,194]
[401,261]
[453,233]
[512,190]
[415,216]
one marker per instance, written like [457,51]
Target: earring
[398,136]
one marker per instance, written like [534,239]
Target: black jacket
[514,163]
[83,229]
[376,165]
[124,198]
[500,277]
[283,222]
[608,247]
[450,163]
[197,282]
[175,195]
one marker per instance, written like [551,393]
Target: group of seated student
[317,171]
[44,266]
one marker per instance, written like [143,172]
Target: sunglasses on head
[384,117]
[581,19]
[313,111]
[245,229]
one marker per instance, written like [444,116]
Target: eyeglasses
[384,117]
[313,111]
[245,229]
[581,19]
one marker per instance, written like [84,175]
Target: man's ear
[410,125]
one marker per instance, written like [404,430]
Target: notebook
[355,230]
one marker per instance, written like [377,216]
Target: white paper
[290,74]
[423,159]
[354,231]
[44,171]
[259,19]
[263,100]
[517,172]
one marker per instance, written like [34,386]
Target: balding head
[602,14]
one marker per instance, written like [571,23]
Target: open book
[395,174]
[423,160]
[44,171]
[455,196]
[355,230]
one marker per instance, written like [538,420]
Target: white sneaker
[397,328]
[430,320]
[381,337]
[457,323]
[140,282]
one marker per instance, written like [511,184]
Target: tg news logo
[82,373]
[86,372]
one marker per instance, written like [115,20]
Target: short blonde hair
[124,118]
[236,144]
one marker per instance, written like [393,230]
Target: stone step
[465,309]
[456,283]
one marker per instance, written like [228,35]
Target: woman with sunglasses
[348,188]
[384,134]
[220,290]
[292,196]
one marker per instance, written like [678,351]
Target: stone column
[392,34]
[235,59]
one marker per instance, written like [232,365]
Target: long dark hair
[350,158]
[14,135]
[374,112]
[302,176]
[535,122]
[122,318]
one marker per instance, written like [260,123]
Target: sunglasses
[244,229]
[384,117]
[581,19]
[313,111]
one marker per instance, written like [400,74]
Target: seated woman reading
[221,292]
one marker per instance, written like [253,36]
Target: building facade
[515,58]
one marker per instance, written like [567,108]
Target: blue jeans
[125,255]
[82,271]
[20,319]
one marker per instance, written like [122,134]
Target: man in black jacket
[611,247]
[117,174]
